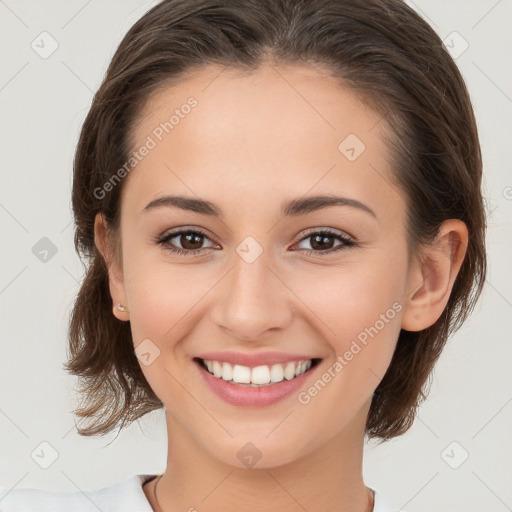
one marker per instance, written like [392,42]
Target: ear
[432,275]
[115,272]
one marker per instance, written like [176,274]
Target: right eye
[188,239]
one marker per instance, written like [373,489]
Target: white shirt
[124,496]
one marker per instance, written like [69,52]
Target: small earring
[120,307]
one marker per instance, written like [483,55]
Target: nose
[252,300]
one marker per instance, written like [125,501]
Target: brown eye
[191,241]
[324,242]
[185,242]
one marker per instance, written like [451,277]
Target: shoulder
[126,495]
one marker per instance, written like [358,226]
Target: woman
[280,205]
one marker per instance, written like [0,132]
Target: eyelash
[346,242]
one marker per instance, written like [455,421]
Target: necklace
[154,494]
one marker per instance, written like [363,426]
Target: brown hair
[386,53]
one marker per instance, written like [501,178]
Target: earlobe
[432,276]
[115,275]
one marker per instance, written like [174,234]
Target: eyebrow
[292,208]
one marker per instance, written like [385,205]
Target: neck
[327,479]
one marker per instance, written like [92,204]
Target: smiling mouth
[257,376]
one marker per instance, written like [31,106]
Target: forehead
[279,128]
[231,101]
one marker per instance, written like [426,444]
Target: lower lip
[253,397]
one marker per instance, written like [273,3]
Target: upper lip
[254,359]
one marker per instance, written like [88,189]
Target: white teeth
[276,373]
[227,371]
[217,369]
[259,375]
[241,374]
[289,371]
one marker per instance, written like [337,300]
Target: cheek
[166,302]
[353,302]
[160,294]
[163,298]
[357,308]
[360,321]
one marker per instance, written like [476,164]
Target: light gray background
[42,105]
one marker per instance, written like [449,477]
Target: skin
[254,141]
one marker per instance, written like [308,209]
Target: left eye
[321,241]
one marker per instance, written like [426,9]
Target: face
[264,278]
